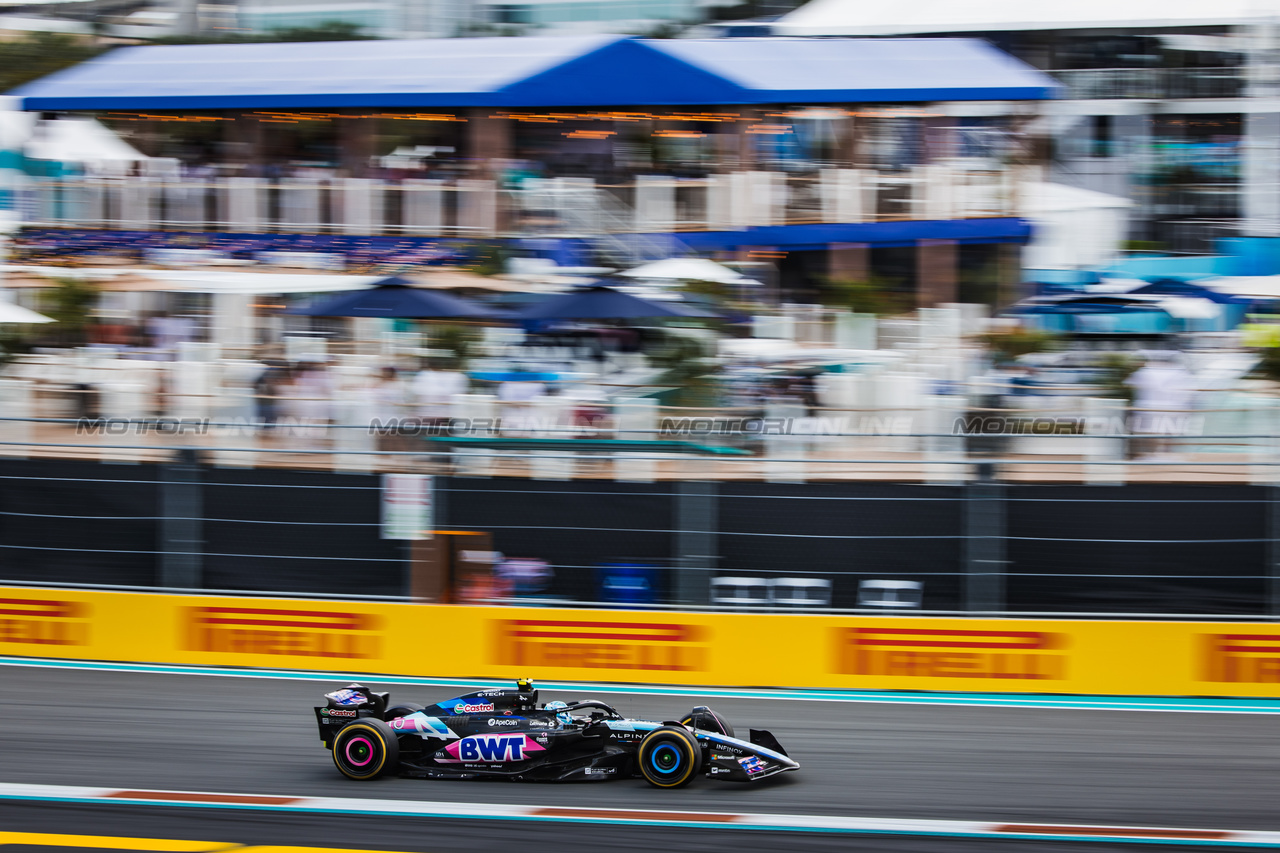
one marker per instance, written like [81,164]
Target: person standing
[434,389]
[1163,396]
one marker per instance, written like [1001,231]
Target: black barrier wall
[1173,549]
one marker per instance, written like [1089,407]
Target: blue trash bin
[628,583]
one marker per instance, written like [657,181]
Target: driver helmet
[564,718]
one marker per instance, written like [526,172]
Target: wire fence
[1096,445]
[987,540]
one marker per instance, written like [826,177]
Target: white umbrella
[11,313]
[688,269]
[80,140]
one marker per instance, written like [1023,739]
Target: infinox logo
[43,622]
[946,653]
[494,749]
[602,645]
[268,631]
[1242,658]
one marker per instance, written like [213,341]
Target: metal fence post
[984,543]
[695,541]
[181,522]
[1273,550]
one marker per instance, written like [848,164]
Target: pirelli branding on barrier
[950,653]
[1242,658]
[629,646]
[1100,657]
[270,631]
[44,622]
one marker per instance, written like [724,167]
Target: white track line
[644,817]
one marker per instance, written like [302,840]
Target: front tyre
[708,720]
[365,749]
[669,757]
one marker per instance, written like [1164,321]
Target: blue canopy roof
[538,72]
[395,297]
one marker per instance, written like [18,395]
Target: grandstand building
[905,160]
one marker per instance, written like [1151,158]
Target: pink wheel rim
[351,759]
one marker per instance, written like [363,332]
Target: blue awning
[598,71]
[799,238]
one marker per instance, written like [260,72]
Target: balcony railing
[556,206]
[1153,83]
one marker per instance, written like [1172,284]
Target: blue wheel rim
[666,759]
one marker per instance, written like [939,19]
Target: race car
[504,733]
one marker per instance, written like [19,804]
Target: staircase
[598,216]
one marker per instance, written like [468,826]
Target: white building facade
[1173,105]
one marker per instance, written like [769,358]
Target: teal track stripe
[1201,705]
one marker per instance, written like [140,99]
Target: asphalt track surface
[445,836]
[1030,765]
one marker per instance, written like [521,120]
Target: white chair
[890,593]
[800,592]
[739,592]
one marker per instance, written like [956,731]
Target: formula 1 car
[504,734]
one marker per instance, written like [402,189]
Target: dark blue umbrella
[394,297]
[1090,308]
[1177,287]
[604,303]
[1093,303]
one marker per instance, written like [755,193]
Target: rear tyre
[402,709]
[669,757]
[708,720]
[365,749]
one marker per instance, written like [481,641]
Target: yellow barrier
[726,649]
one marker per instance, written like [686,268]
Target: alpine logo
[482,708]
[495,749]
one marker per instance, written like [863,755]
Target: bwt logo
[42,622]
[494,749]
[260,631]
[142,426]
[785,426]
[1242,658]
[602,645]
[933,653]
